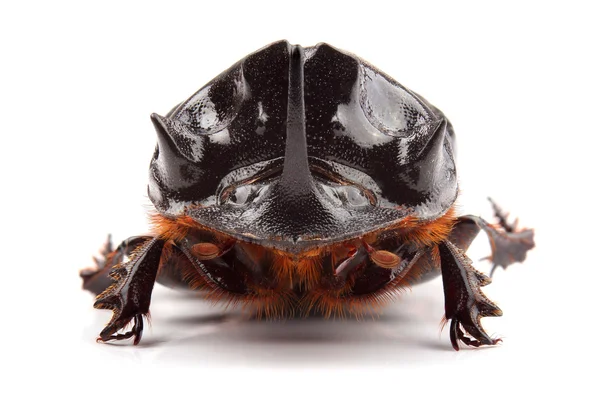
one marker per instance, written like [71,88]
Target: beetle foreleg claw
[129,297]
[465,302]
[109,333]
[457,333]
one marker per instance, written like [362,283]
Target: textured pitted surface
[298,147]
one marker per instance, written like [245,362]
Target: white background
[520,83]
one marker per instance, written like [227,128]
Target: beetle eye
[353,196]
[241,195]
[347,195]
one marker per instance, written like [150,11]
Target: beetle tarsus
[135,332]
[456,332]
[129,297]
[465,302]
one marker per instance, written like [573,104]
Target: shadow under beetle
[300,180]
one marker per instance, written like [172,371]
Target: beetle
[304,180]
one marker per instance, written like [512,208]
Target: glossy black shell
[298,147]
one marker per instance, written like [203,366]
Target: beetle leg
[135,332]
[97,279]
[465,302]
[129,297]
[501,216]
[509,245]
[345,267]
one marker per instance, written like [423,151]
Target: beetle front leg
[97,279]
[129,297]
[465,302]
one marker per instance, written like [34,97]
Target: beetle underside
[353,277]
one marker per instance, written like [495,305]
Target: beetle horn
[165,141]
[433,149]
[173,161]
[295,208]
[178,138]
[296,174]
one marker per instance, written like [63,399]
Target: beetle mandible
[299,180]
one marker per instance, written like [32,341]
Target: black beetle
[299,180]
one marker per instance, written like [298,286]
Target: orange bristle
[306,270]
